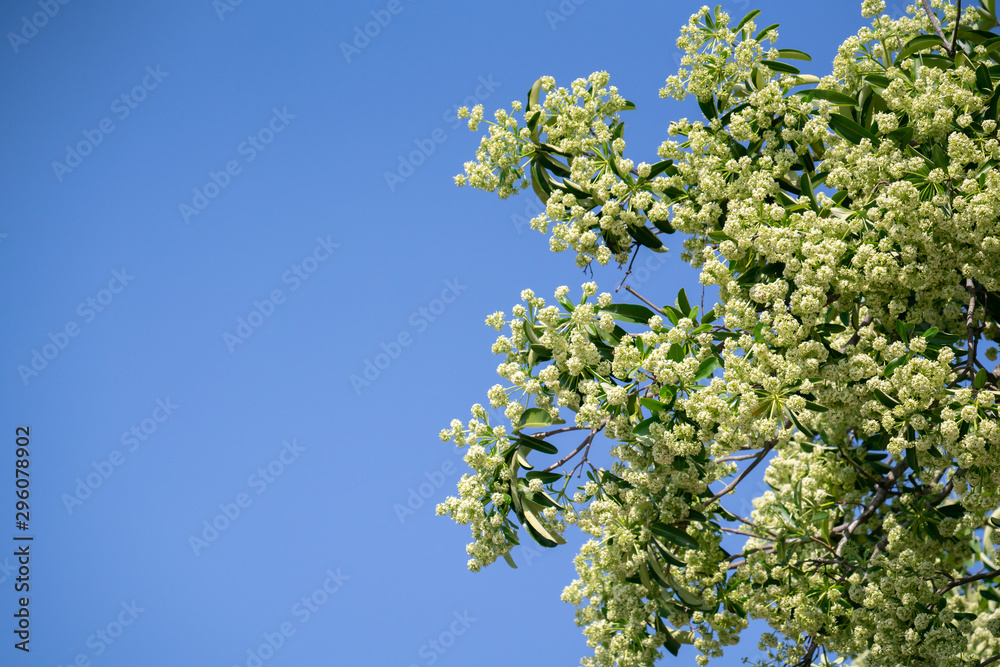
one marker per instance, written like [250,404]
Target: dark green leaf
[682,303]
[919,43]
[705,368]
[628,312]
[647,238]
[546,477]
[850,130]
[675,535]
[783,68]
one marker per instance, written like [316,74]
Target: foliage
[851,226]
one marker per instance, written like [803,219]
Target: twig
[990,661]
[565,429]
[735,457]
[644,300]
[629,271]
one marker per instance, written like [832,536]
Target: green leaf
[629,106]
[816,407]
[645,237]
[675,535]
[783,68]
[533,94]
[763,32]
[532,515]
[705,368]
[919,43]
[911,458]
[884,399]
[682,303]
[794,54]
[980,380]
[510,561]
[628,312]
[534,418]
[850,130]
[746,19]
[953,511]
[989,593]
[536,443]
[546,477]
[708,108]
[832,96]
[659,168]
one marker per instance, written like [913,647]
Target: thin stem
[644,300]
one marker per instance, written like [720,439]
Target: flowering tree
[852,226]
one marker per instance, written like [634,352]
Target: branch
[937,27]
[880,495]
[768,446]
[586,443]
[566,429]
[857,334]
[644,300]
[629,272]
[967,580]
[990,661]
[958,22]
[970,325]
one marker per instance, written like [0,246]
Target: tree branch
[768,446]
[967,580]
[937,27]
[880,495]
[644,300]
[958,22]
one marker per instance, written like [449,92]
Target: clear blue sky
[217,252]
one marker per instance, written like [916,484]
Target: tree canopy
[852,226]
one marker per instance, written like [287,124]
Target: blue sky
[215,214]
